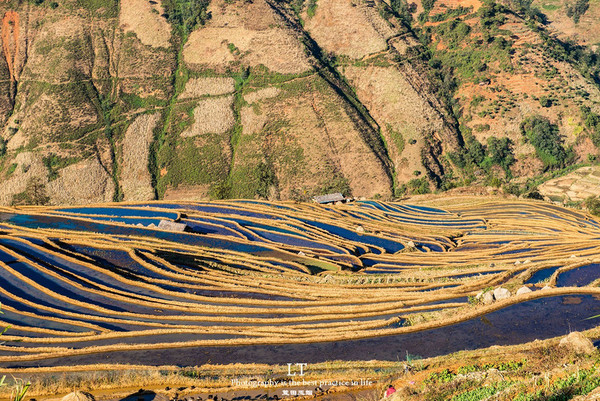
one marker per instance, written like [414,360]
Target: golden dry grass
[135,178]
[317,141]
[212,115]
[83,182]
[341,28]
[207,86]
[150,27]
[188,192]
[261,94]
[29,165]
[251,28]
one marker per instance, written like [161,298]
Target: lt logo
[301,365]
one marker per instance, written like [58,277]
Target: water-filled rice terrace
[252,281]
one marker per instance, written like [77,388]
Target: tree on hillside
[546,139]
[593,205]
[592,122]
[34,194]
[577,9]
[500,152]
[186,14]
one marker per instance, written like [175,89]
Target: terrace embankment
[260,282]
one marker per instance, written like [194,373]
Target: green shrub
[577,10]
[312,8]
[482,127]
[476,101]
[266,179]
[444,376]
[418,186]
[186,14]
[500,151]
[593,205]
[34,194]
[481,393]
[545,138]
[428,5]
[54,163]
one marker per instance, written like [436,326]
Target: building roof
[329,198]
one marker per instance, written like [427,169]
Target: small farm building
[329,198]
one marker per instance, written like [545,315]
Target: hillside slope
[138,100]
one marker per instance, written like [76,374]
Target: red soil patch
[10,40]
[444,5]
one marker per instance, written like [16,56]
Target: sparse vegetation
[416,186]
[592,204]
[54,163]
[577,9]
[460,48]
[34,194]
[592,123]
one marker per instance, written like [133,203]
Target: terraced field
[252,281]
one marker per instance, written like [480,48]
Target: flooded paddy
[258,282]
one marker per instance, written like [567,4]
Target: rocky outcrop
[523,291]
[577,343]
[78,396]
[498,294]
[501,293]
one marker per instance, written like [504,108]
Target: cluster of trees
[577,9]
[34,194]
[2,146]
[428,4]
[403,10]
[492,15]
[592,122]
[499,152]
[593,205]
[548,143]
[186,14]
[416,186]
[52,4]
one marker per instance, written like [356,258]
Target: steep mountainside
[136,100]
[510,72]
